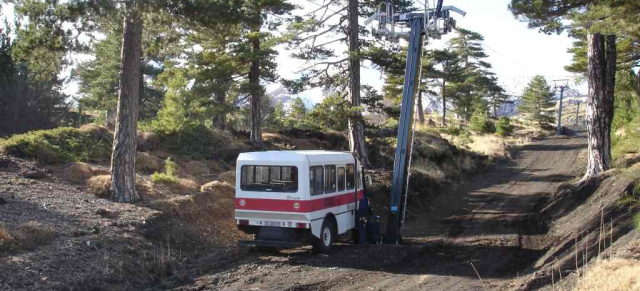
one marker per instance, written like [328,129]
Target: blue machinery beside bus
[431,23]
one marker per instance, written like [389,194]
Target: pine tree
[473,82]
[256,12]
[298,110]
[597,56]
[31,56]
[123,158]
[536,98]
[451,72]
[98,78]
[333,113]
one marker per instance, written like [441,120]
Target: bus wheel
[323,244]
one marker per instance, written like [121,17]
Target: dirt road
[484,229]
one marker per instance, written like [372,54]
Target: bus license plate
[272,223]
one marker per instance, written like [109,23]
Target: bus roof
[296,156]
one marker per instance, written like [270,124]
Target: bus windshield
[269,178]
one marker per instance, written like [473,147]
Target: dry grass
[185,186]
[228,176]
[100,186]
[26,237]
[79,172]
[612,274]
[212,186]
[147,163]
[467,163]
[7,240]
[196,168]
[278,140]
[96,130]
[211,211]
[430,169]
[489,145]
[148,141]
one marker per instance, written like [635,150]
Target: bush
[628,141]
[481,123]
[147,163]
[27,236]
[100,186]
[504,127]
[169,176]
[59,145]
[195,142]
[79,172]
[452,130]
[464,139]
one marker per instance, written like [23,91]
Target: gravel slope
[485,228]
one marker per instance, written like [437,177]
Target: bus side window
[316,180]
[351,176]
[330,179]
[341,179]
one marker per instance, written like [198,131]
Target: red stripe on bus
[284,205]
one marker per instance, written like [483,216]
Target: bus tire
[327,233]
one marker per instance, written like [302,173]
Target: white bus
[285,198]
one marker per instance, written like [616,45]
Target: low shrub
[628,142]
[211,212]
[464,139]
[100,186]
[482,124]
[79,172]
[59,145]
[228,177]
[185,186]
[209,187]
[27,236]
[7,241]
[504,127]
[452,130]
[196,168]
[195,142]
[169,176]
[147,163]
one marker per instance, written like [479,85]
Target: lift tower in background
[564,84]
[432,23]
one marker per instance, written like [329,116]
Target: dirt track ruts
[488,222]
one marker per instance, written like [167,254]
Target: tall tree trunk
[444,104]
[123,158]
[254,78]
[356,126]
[601,73]
[638,86]
[420,108]
[219,119]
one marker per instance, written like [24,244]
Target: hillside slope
[488,222]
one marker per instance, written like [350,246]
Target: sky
[516,52]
